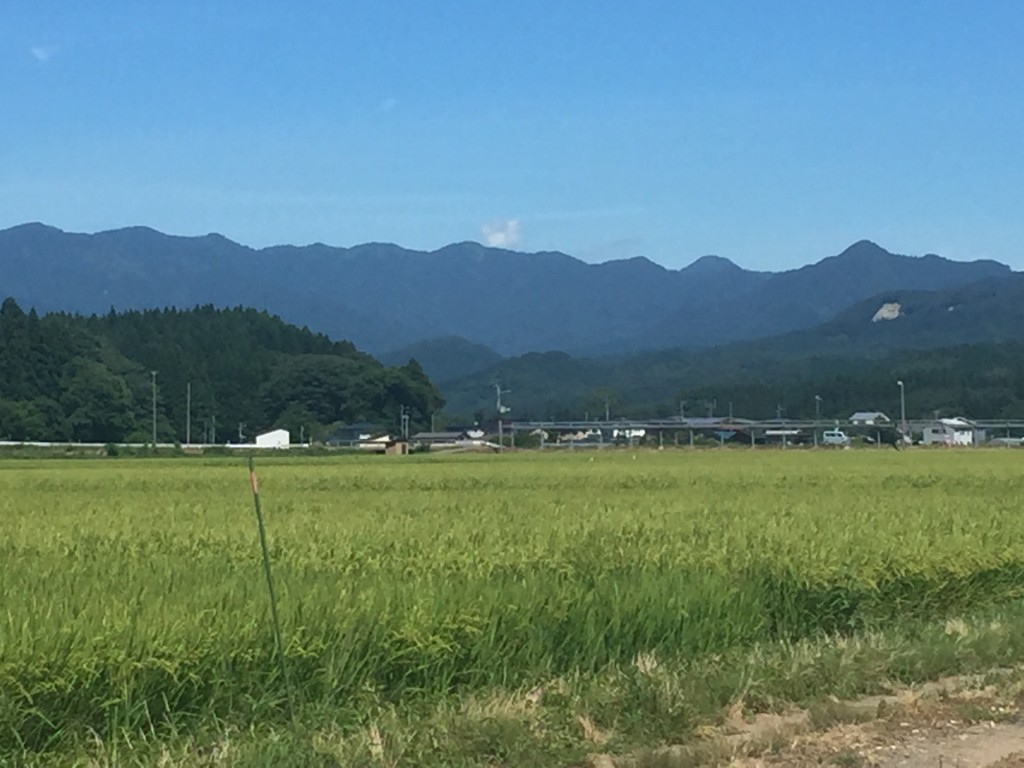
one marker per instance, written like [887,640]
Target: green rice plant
[133,602]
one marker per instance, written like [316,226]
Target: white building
[278,438]
[374,444]
[958,431]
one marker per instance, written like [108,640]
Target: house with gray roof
[870,419]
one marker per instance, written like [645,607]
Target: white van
[835,437]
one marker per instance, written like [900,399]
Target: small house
[870,419]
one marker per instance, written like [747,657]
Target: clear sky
[772,133]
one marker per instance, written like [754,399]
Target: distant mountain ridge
[988,312]
[445,358]
[383,297]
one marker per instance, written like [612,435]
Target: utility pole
[778,415]
[213,429]
[153,373]
[403,421]
[682,410]
[607,409]
[188,413]
[502,410]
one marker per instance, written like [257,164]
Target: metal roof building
[869,418]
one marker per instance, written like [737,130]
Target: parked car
[835,437]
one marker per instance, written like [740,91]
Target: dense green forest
[66,377]
[978,381]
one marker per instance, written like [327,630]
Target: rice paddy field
[485,610]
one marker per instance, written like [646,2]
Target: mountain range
[466,303]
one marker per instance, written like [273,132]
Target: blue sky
[770,133]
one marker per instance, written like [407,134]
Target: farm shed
[277,438]
[439,438]
[384,444]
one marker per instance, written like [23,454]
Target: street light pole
[153,373]
[188,413]
[903,408]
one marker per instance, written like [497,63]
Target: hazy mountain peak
[136,229]
[708,265]
[468,246]
[633,264]
[34,226]
[217,237]
[472,250]
[864,248]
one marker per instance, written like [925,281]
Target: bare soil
[954,723]
[935,741]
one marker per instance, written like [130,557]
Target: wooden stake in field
[270,585]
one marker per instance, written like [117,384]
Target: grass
[504,610]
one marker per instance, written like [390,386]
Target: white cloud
[43,53]
[501,234]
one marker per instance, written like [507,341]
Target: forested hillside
[980,381]
[961,346]
[66,377]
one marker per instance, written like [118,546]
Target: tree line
[91,379]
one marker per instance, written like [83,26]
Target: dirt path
[956,746]
[954,723]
